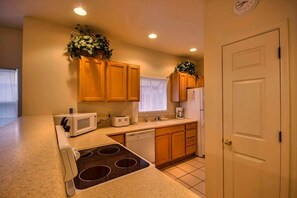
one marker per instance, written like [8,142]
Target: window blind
[153,94]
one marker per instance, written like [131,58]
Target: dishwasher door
[142,143]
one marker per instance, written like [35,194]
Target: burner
[101,164]
[85,154]
[108,150]
[94,173]
[126,163]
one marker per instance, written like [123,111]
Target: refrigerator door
[192,105]
[194,109]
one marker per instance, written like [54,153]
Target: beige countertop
[31,165]
[99,136]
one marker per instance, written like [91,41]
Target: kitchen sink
[101,164]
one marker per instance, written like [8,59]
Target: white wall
[11,54]
[50,81]
[222,25]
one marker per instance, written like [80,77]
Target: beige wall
[50,80]
[11,54]
[222,25]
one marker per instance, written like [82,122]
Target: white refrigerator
[194,109]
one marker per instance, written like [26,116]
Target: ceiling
[179,24]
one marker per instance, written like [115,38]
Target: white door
[251,117]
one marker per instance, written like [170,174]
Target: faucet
[157,118]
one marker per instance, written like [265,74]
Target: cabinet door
[91,79]
[178,144]
[116,81]
[191,81]
[163,146]
[133,82]
[118,138]
[182,87]
[178,87]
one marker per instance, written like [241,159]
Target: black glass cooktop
[105,163]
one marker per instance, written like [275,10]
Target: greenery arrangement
[187,67]
[85,43]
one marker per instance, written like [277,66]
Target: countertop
[31,165]
[100,136]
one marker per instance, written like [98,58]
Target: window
[8,96]
[153,94]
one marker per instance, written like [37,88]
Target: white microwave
[78,123]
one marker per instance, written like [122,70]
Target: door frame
[285,107]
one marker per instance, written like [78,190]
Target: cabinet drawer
[119,138]
[166,130]
[191,140]
[191,126]
[191,149]
[191,133]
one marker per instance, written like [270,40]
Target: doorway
[8,96]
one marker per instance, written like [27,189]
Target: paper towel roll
[134,117]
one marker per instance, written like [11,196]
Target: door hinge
[280,137]
[279,52]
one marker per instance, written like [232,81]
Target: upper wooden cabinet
[116,81]
[107,81]
[191,81]
[91,85]
[179,84]
[133,83]
[179,87]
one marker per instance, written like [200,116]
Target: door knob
[228,142]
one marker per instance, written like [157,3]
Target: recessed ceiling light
[193,49]
[80,11]
[152,36]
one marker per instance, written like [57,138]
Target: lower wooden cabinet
[170,143]
[175,142]
[191,138]
[163,145]
[118,138]
[178,145]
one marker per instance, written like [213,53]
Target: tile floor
[190,173]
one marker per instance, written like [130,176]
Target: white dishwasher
[142,143]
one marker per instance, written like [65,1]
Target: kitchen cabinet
[191,138]
[107,81]
[179,84]
[178,145]
[116,81]
[170,143]
[163,147]
[118,138]
[91,84]
[200,81]
[133,83]
[191,82]
[179,87]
